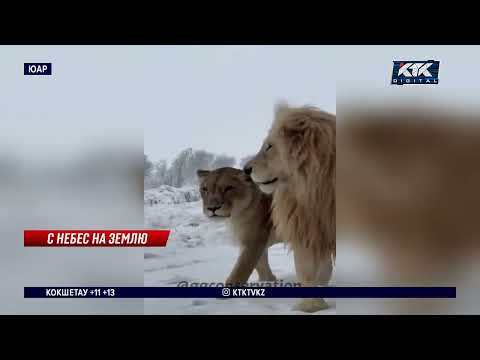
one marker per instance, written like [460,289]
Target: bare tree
[147,164]
[161,173]
[183,169]
[179,167]
[223,161]
[202,160]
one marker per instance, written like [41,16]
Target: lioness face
[225,192]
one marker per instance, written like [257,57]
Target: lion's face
[300,143]
[267,168]
[225,192]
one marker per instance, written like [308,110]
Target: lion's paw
[311,305]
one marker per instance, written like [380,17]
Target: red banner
[95,238]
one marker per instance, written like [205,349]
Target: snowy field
[202,250]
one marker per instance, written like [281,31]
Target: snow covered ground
[202,250]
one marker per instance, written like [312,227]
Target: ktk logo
[415,72]
[416,69]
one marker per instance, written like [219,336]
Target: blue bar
[37,69]
[404,292]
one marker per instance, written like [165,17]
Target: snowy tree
[161,172]
[148,179]
[148,164]
[179,167]
[200,159]
[223,161]
[183,169]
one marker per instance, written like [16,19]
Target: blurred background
[407,180]
[71,156]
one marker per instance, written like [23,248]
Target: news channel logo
[415,72]
[37,69]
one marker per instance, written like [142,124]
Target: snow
[202,250]
[166,194]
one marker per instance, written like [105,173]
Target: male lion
[297,164]
[230,193]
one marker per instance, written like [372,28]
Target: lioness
[230,193]
[297,164]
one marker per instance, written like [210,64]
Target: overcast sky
[221,98]
[217,98]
